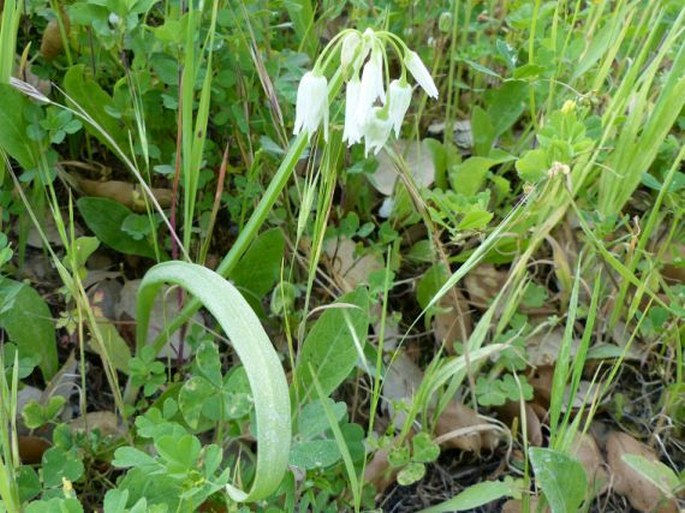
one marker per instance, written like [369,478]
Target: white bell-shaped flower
[352,132]
[311,109]
[420,73]
[351,53]
[372,86]
[399,97]
[376,130]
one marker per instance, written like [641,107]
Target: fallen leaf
[31,449]
[516,506]
[419,159]
[126,193]
[544,347]
[585,449]
[51,44]
[483,283]
[165,308]
[348,268]
[674,264]
[458,427]
[452,323]
[379,472]
[105,421]
[642,494]
[541,381]
[512,410]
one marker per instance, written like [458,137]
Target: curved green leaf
[105,218]
[26,318]
[251,343]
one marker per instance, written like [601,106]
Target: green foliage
[495,392]
[333,344]
[561,478]
[107,218]
[26,318]
[36,415]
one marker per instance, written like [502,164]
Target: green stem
[247,235]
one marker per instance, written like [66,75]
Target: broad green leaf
[561,478]
[115,348]
[475,496]
[468,177]
[29,483]
[312,420]
[483,132]
[330,347]
[105,218]
[132,457]
[58,463]
[261,362]
[195,395]
[180,454]
[87,94]
[532,166]
[28,322]
[115,501]
[13,139]
[55,505]
[506,104]
[314,454]
[260,268]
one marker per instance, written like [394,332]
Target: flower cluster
[372,110]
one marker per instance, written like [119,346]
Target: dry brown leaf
[105,421]
[164,309]
[453,322]
[544,347]
[31,449]
[516,506]
[483,283]
[512,410]
[419,161]
[474,434]
[51,44]
[585,449]
[125,193]
[642,494]
[378,471]
[671,270]
[458,427]
[541,381]
[347,267]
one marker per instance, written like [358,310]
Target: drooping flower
[420,73]
[372,86]
[352,132]
[376,130]
[311,108]
[351,54]
[399,97]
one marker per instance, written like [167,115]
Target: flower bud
[311,108]
[420,73]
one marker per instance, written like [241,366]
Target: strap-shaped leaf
[261,362]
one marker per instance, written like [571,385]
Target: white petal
[420,73]
[376,131]
[350,53]
[372,84]
[399,97]
[311,108]
[352,133]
